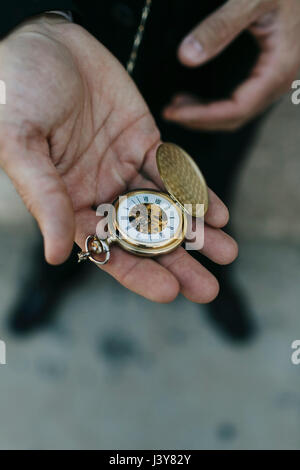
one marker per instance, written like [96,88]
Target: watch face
[148,219]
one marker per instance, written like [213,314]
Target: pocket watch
[148,222]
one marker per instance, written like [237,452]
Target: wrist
[62,13]
[39,23]
[45,19]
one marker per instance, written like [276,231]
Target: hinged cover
[182,178]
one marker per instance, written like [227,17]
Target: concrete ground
[116,371]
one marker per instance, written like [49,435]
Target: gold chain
[138,37]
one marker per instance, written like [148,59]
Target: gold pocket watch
[148,222]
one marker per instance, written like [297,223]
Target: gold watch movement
[149,222]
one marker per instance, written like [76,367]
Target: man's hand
[276,26]
[75,133]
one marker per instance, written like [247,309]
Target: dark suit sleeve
[13,12]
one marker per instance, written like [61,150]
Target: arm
[75,133]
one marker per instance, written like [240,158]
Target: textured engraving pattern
[182,177]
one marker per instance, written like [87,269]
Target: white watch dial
[148,218]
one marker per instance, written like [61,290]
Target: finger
[35,178]
[219,246]
[182,99]
[141,182]
[217,214]
[213,34]
[150,169]
[143,276]
[248,100]
[219,115]
[196,282]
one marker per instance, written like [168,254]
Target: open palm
[75,132]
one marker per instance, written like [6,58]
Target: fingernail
[266,21]
[167,112]
[191,49]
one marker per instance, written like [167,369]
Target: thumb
[44,194]
[213,34]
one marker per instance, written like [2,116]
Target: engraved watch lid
[182,178]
